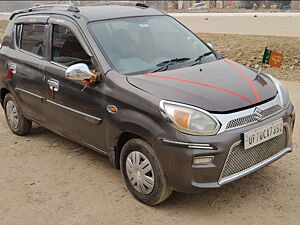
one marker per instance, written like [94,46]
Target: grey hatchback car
[136,85]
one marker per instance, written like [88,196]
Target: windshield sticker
[144,25]
[58,20]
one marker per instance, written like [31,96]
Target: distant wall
[295,4]
[9,6]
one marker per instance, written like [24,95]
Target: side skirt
[70,138]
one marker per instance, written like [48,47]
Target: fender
[131,122]
[134,122]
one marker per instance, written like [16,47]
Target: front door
[75,113]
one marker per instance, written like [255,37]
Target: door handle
[53,85]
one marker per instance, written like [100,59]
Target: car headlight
[189,119]
[282,91]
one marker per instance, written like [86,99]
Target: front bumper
[177,156]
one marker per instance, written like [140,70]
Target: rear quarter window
[18,35]
[32,38]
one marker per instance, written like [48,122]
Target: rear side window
[32,38]
[18,35]
[66,49]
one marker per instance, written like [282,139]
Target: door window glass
[66,49]
[33,38]
[18,35]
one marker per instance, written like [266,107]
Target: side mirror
[210,45]
[78,71]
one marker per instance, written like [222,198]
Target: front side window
[66,49]
[32,39]
[141,44]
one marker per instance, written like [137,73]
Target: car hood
[218,86]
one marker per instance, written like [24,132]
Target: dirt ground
[272,24]
[3,24]
[46,179]
[232,10]
[248,50]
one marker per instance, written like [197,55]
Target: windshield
[142,44]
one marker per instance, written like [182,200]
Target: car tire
[16,121]
[143,173]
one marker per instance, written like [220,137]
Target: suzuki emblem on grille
[257,114]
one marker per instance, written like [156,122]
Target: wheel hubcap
[12,114]
[140,172]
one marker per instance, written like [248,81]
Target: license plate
[262,134]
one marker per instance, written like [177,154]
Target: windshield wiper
[165,64]
[199,59]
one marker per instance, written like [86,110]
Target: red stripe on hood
[201,84]
[247,79]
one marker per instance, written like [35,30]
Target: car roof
[92,13]
[104,12]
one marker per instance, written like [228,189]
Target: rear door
[75,113]
[27,62]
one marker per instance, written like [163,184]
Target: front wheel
[16,121]
[143,174]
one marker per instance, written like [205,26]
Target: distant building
[9,6]
[295,4]
[225,4]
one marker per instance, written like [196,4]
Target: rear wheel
[143,173]
[16,121]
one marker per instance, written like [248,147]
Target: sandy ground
[248,50]
[3,24]
[242,24]
[46,179]
[4,16]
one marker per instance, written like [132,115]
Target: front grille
[246,120]
[241,159]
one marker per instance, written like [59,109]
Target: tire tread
[164,190]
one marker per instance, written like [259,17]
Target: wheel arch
[122,139]
[3,93]
[144,128]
